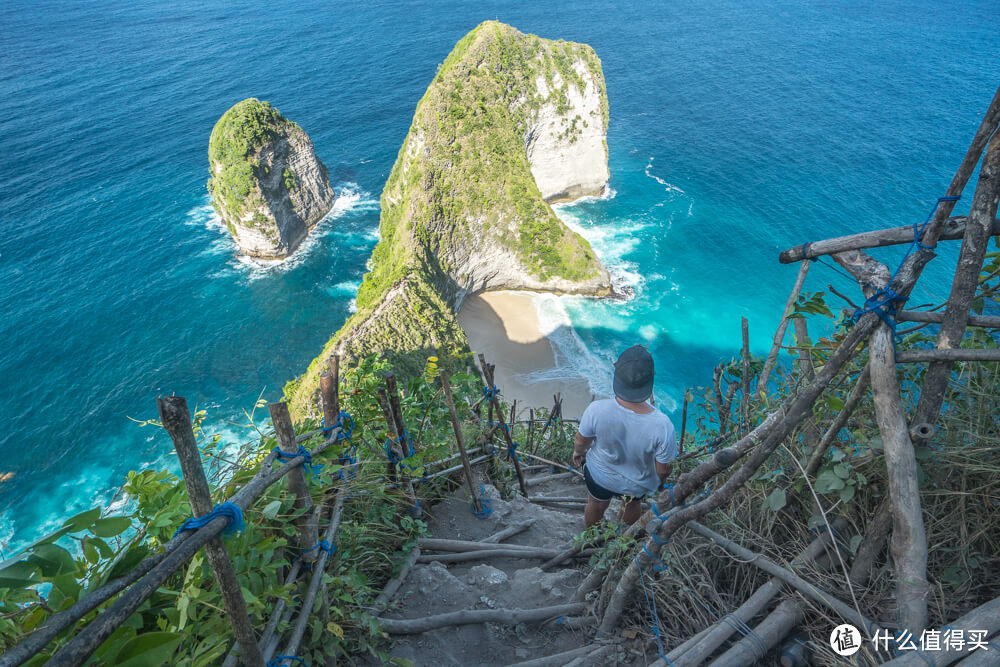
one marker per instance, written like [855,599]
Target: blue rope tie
[656,512]
[489,393]
[277,662]
[484,502]
[512,450]
[304,453]
[658,565]
[323,545]
[670,487]
[654,617]
[883,301]
[346,424]
[226,509]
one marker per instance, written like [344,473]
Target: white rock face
[568,151]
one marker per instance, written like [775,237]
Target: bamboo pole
[515,459]
[502,551]
[767,634]
[393,585]
[986,321]
[779,335]
[466,466]
[308,530]
[318,571]
[535,457]
[176,419]
[952,229]
[461,546]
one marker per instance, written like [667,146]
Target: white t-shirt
[626,445]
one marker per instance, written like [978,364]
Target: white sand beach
[504,327]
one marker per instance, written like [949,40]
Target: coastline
[504,326]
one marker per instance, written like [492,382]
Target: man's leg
[631,511]
[595,509]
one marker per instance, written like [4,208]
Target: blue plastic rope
[484,502]
[226,509]
[400,461]
[323,545]
[278,660]
[656,512]
[658,564]
[512,451]
[304,453]
[489,393]
[654,617]
[670,487]
[883,302]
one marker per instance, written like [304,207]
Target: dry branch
[496,538]
[766,635]
[949,356]
[986,321]
[469,616]
[779,335]
[985,617]
[385,597]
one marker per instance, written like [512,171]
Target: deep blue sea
[737,129]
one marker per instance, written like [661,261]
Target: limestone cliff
[509,123]
[266,182]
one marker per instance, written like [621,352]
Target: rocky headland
[510,123]
[266,182]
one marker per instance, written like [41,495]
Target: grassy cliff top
[462,189]
[236,138]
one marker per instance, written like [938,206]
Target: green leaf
[52,560]
[147,650]
[856,543]
[835,403]
[272,509]
[827,482]
[83,520]
[90,553]
[837,454]
[847,493]
[126,561]
[19,574]
[841,471]
[111,526]
[777,499]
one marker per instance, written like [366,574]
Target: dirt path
[496,583]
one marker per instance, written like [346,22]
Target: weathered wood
[570,552]
[299,629]
[986,321]
[564,658]
[871,545]
[462,546]
[960,354]
[535,457]
[804,343]
[964,284]
[807,589]
[534,481]
[953,229]
[909,537]
[510,531]
[684,418]
[766,635]
[850,405]
[448,471]
[984,617]
[459,440]
[392,586]
[984,658]
[779,335]
[502,551]
[383,401]
[556,499]
[699,651]
[176,419]
[308,530]
[280,614]
[330,392]
[405,441]
[470,616]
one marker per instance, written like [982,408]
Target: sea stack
[266,182]
[509,124]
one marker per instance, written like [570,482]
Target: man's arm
[580,447]
[663,471]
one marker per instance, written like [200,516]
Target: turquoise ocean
[737,130]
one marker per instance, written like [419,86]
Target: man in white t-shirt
[627,443]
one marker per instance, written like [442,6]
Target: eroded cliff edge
[266,182]
[510,123]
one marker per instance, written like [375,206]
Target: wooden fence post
[176,420]
[389,400]
[329,392]
[307,521]
[494,403]
[450,400]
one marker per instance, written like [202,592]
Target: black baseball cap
[634,375]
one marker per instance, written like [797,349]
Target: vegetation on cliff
[462,189]
[236,138]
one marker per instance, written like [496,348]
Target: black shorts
[602,494]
